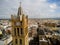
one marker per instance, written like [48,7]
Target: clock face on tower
[17,23]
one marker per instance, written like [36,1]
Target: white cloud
[53,6]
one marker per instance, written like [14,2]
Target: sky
[32,8]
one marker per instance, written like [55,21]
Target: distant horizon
[36,18]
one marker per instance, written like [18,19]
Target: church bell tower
[19,28]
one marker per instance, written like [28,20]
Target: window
[15,31]
[21,31]
[20,41]
[21,22]
[16,41]
[18,31]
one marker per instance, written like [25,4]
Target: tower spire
[20,4]
[20,10]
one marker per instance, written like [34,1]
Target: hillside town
[51,30]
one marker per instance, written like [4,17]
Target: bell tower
[19,28]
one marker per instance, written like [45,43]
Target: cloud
[43,0]
[52,10]
[53,6]
[40,9]
[32,8]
